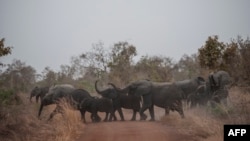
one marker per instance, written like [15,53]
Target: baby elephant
[94,105]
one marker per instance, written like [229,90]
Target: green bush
[5,96]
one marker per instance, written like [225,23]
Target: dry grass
[206,123]
[21,123]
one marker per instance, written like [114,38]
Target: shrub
[6,96]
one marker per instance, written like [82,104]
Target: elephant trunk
[40,109]
[31,97]
[98,91]
[125,90]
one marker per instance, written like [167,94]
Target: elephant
[214,90]
[217,86]
[73,97]
[94,105]
[162,94]
[39,93]
[121,100]
[199,97]
[54,94]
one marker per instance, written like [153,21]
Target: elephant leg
[92,117]
[106,117]
[166,111]
[179,108]
[37,98]
[121,114]
[180,111]
[193,104]
[142,110]
[112,114]
[114,117]
[98,118]
[151,112]
[134,115]
[83,115]
[95,117]
[147,104]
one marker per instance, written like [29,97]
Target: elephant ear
[211,80]
[220,79]
[224,79]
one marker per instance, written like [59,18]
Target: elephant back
[59,91]
[189,86]
[141,87]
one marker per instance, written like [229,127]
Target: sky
[49,32]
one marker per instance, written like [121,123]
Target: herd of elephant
[138,96]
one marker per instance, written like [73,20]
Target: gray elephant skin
[164,95]
[39,93]
[54,95]
[73,96]
[217,86]
[120,100]
[94,105]
[189,86]
[214,90]
[200,97]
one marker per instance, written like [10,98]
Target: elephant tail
[97,90]
[33,93]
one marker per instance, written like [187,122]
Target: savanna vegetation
[18,117]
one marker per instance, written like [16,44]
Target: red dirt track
[131,131]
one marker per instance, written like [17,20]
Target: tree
[4,50]
[66,74]
[49,76]
[93,62]
[187,67]
[156,68]
[210,55]
[18,76]
[244,49]
[121,62]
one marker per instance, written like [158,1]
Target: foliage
[231,57]
[92,63]
[187,68]
[49,76]
[155,68]
[244,49]
[4,50]
[210,54]
[18,76]
[121,61]
[5,96]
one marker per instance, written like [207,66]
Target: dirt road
[131,131]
